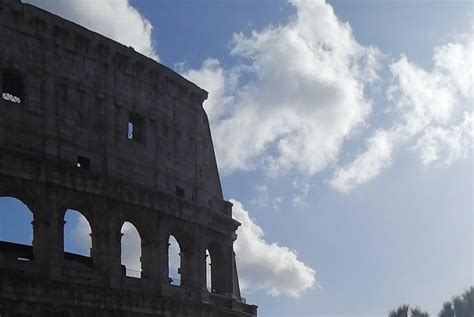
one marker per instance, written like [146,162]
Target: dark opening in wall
[179,192]
[83,162]
[12,87]
[135,127]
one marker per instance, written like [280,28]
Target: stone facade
[91,125]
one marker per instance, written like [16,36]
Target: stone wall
[91,125]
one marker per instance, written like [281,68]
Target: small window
[135,127]
[12,87]
[179,192]
[83,162]
[130,130]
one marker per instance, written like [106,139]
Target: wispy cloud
[264,198]
[434,115]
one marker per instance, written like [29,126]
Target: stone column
[229,270]
[201,268]
[162,247]
[106,246]
[150,260]
[188,268]
[47,228]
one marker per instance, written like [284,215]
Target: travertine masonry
[91,125]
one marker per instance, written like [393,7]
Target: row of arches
[16,226]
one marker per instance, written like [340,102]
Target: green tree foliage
[404,310]
[401,311]
[447,310]
[459,306]
[416,312]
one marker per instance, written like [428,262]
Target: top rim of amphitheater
[128,50]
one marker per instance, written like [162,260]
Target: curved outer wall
[104,130]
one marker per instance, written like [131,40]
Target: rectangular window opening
[135,127]
[12,87]
[130,130]
[179,192]
[83,162]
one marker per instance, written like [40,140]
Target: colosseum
[91,125]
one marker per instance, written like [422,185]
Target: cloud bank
[293,96]
[116,19]
[434,115]
[266,266]
[298,91]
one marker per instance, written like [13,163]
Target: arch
[16,221]
[217,265]
[16,228]
[174,261]
[77,234]
[23,191]
[131,250]
[182,233]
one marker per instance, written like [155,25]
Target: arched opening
[131,250]
[174,261]
[217,269]
[16,230]
[77,235]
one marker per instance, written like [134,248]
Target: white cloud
[367,165]
[268,266]
[445,145]
[295,93]
[434,113]
[116,19]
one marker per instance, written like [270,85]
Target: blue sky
[343,129]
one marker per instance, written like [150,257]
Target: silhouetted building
[89,124]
